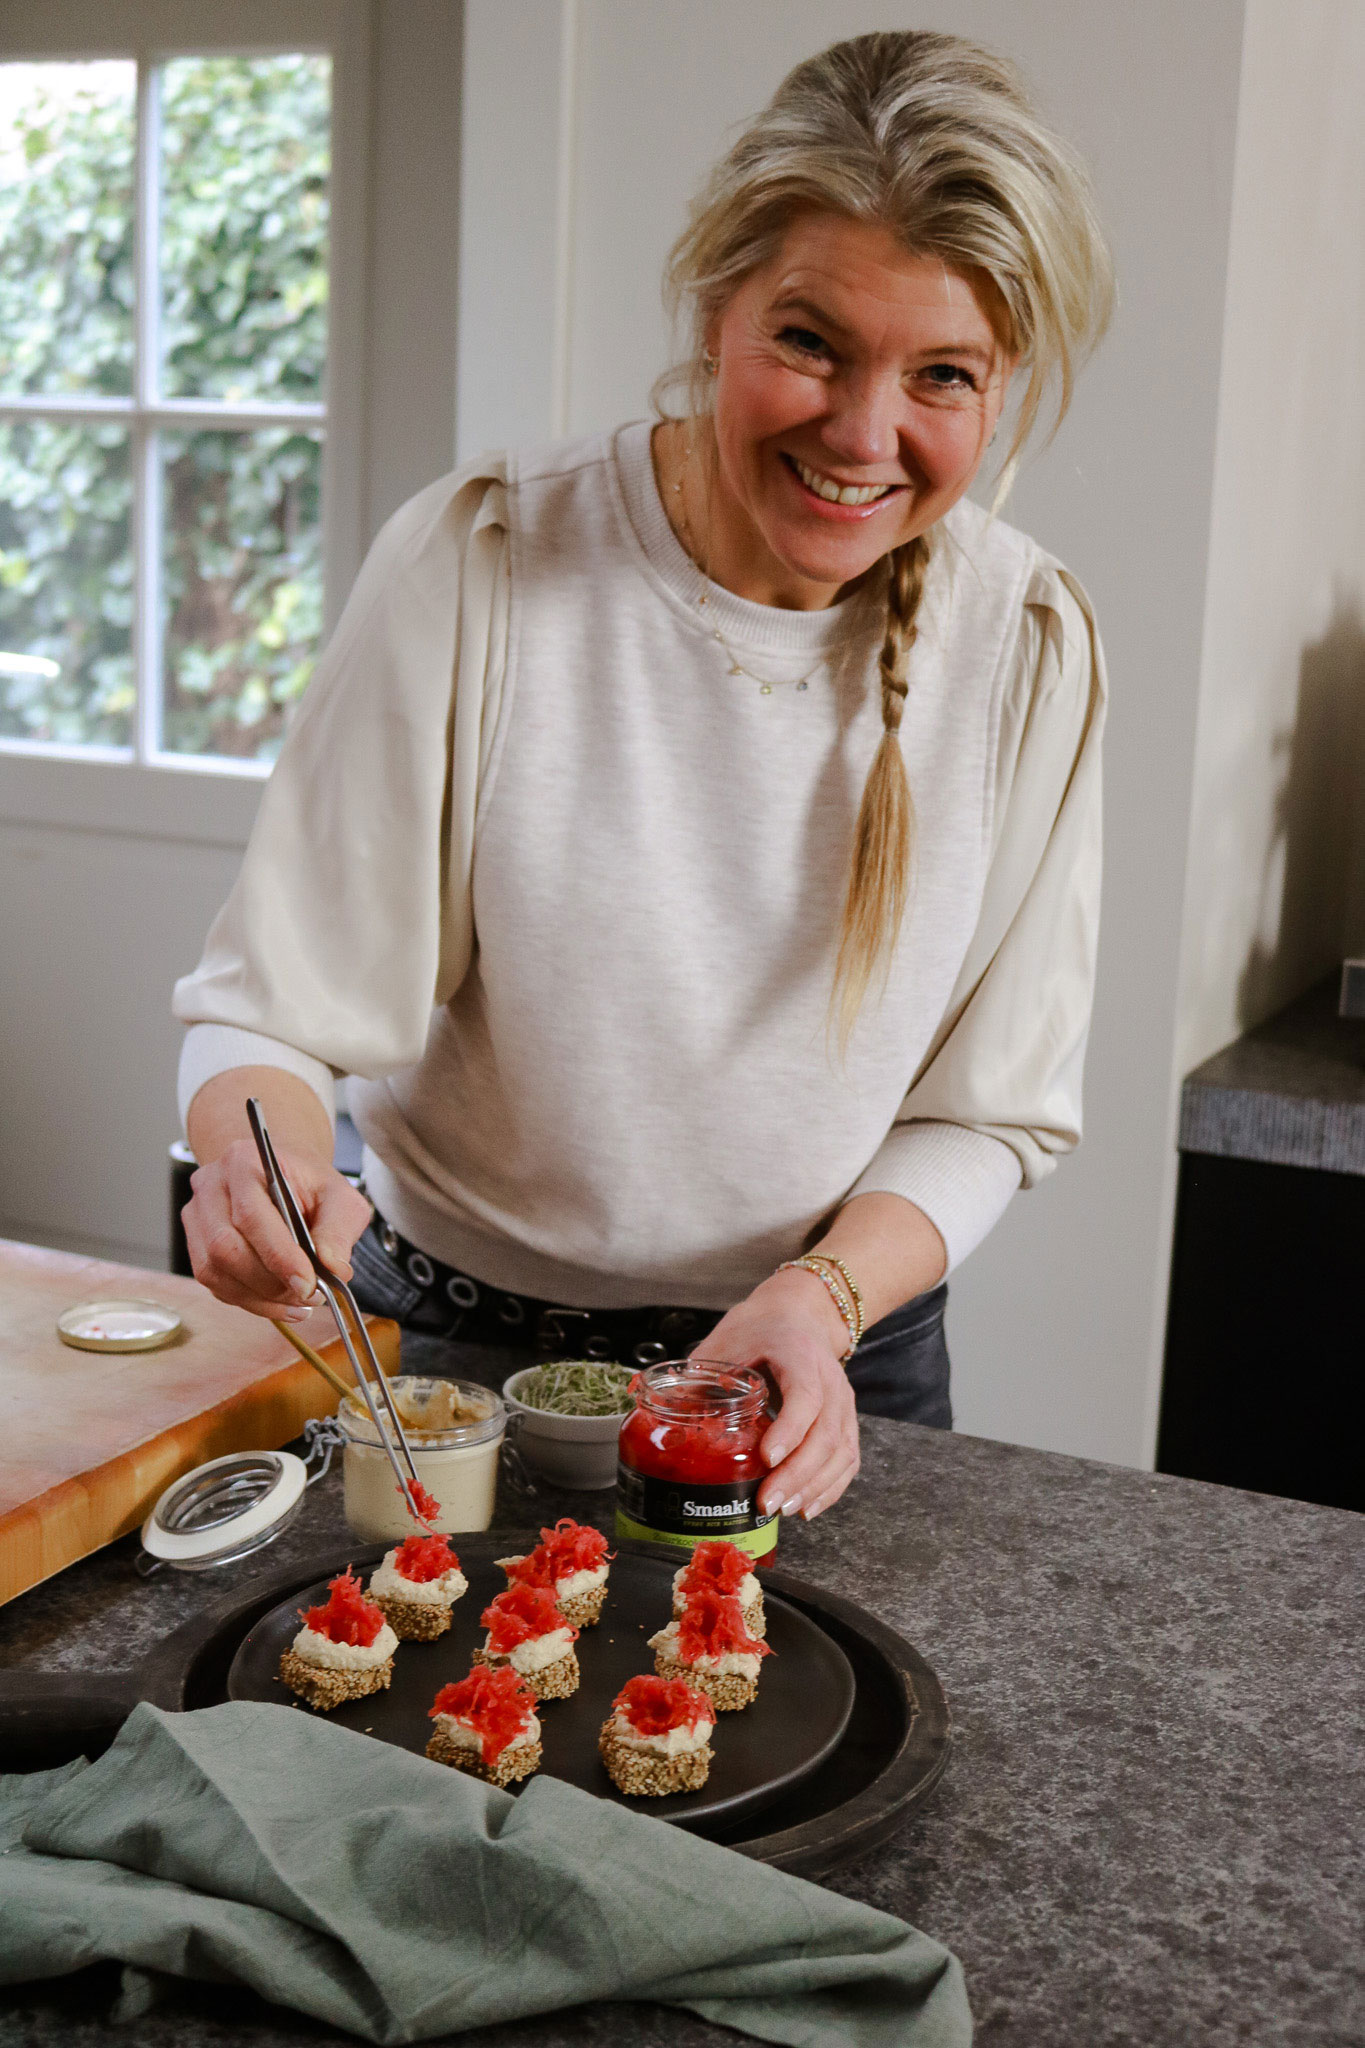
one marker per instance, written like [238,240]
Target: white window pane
[66,584]
[66,227]
[243,587]
[245,165]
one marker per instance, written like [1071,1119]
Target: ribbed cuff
[961,1179]
[211,1049]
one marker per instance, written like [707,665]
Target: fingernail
[789,1507]
[295,1315]
[777,1454]
[774,1503]
[300,1288]
[809,1514]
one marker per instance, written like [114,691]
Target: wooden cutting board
[88,1440]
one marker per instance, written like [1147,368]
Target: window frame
[100,787]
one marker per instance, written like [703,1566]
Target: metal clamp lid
[224,1509]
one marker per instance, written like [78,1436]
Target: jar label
[650,1510]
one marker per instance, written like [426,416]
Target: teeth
[839,494]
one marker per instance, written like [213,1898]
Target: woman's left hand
[790,1329]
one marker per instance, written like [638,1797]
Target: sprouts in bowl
[567,1417]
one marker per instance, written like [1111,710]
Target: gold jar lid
[119,1325]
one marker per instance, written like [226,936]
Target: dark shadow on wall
[1319,842]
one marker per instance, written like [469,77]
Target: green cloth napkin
[399,1899]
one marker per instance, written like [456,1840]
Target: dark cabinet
[1264,1382]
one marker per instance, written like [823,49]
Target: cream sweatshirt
[563,889]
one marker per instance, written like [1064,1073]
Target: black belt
[454,1304]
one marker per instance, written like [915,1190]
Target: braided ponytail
[883,838]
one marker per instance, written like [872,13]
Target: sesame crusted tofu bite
[722,1567]
[527,1631]
[343,1651]
[656,1739]
[486,1725]
[417,1585]
[709,1646]
[573,1562]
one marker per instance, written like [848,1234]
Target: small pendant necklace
[766,684]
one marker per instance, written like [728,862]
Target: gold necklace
[766,684]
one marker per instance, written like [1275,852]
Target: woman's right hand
[239,1244]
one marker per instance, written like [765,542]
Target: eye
[804,340]
[955,378]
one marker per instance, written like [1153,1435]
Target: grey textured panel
[1289,1093]
[1278,1130]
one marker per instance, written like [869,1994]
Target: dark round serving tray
[805,1690]
[894,1750]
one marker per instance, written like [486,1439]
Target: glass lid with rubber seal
[224,1510]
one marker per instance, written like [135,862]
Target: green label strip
[756,1542]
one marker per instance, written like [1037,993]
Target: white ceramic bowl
[577,1451]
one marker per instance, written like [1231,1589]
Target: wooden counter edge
[79,1515]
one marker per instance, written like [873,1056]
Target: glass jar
[689,1466]
[454,1430]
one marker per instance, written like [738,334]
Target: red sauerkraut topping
[423,1558]
[654,1705]
[348,1616]
[427,1506]
[719,1567]
[495,1704]
[570,1548]
[531,1570]
[712,1623]
[519,1615]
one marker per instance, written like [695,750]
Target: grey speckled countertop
[1153,1826]
[1289,1093]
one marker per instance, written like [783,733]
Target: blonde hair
[935,138]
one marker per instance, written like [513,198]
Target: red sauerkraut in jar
[689,1463]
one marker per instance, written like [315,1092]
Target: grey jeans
[901,1367]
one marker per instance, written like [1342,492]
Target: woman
[691,836]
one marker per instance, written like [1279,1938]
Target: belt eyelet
[550,1331]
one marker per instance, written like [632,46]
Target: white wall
[1276,848]
[609,128]
[92,927]
[414,250]
[109,875]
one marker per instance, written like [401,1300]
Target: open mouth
[828,489]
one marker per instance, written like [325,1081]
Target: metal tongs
[334,1292]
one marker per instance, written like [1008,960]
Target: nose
[861,425]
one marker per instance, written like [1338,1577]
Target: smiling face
[858,386]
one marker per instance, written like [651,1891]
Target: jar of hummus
[454,1430]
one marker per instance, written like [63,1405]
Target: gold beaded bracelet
[847,1313]
[828,1259]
